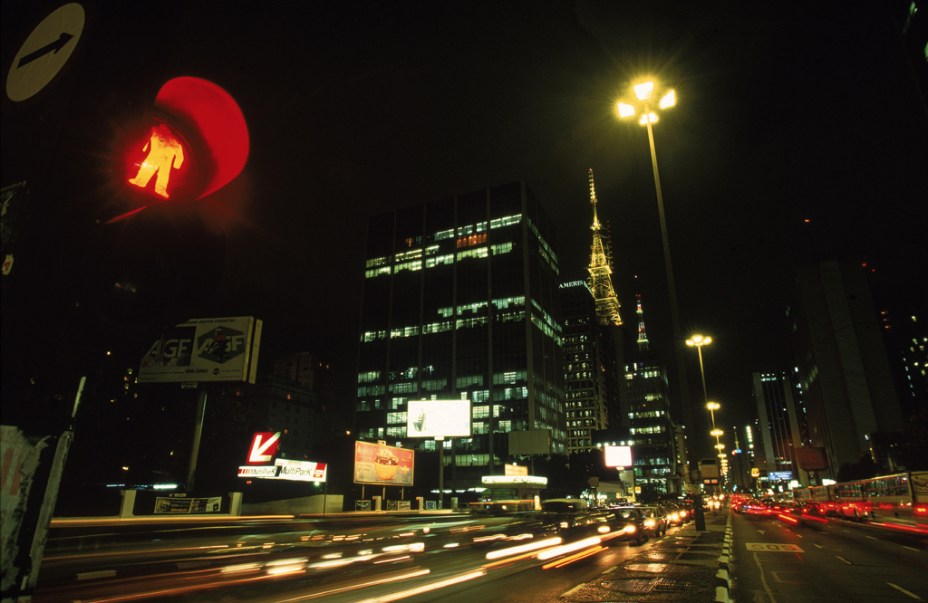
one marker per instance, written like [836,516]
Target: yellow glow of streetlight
[644,90]
[668,100]
[646,118]
[716,432]
[713,406]
[698,340]
[626,110]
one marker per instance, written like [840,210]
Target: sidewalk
[687,566]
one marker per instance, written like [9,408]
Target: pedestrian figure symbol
[164,154]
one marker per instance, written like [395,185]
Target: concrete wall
[294,506]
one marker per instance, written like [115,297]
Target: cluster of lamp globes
[645,93]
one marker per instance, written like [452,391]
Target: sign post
[197,435]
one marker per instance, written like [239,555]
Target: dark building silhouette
[846,381]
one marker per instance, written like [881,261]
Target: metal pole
[197,434]
[688,414]
[700,516]
[441,472]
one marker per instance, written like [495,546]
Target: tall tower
[607,304]
[642,334]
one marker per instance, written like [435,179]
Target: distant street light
[698,341]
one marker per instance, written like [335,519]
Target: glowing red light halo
[205,110]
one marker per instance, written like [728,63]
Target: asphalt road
[777,561]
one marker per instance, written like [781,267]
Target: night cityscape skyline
[800,135]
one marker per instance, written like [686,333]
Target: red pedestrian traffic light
[196,143]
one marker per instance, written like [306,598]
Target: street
[778,561]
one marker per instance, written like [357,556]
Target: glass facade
[460,300]
[651,430]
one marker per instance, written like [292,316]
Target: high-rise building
[593,346]
[842,364]
[591,400]
[460,301]
[651,429]
[781,423]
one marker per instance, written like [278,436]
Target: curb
[723,576]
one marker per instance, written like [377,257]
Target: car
[572,518]
[656,520]
[629,524]
[677,515]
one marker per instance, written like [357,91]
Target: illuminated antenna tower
[607,304]
[642,335]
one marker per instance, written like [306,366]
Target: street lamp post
[698,341]
[644,109]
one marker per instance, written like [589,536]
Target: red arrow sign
[263,447]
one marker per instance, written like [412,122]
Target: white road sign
[45,52]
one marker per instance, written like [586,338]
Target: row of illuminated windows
[440,327]
[462,231]
[658,460]
[431,262]
[650,414]
[647,430]
[643,375]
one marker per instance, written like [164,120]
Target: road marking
[911,548]
[843,559]
[571,591]
[773,547]
[871,537]
[904,591]
[800,536]
[763,579]
[818,545]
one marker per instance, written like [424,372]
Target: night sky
[785,114]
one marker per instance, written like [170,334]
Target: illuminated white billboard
[204,349]
[438,419]
[618,456]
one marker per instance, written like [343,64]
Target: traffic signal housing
[195,143]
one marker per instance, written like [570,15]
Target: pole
[688,415]
[697,502]
[197,434]
[441,472]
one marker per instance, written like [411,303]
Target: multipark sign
[263,449]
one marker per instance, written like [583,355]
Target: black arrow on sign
[53,47]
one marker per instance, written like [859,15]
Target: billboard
[204,349]
[618,456]
[438,418]
[382,465]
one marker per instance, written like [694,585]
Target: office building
[781,423]
[843,369]
[460,301]
[651,429]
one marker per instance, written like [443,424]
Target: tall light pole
[698,341]
[644,107]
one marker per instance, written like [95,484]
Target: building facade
[591,392]
[781,423]
[460,301]
[843,369]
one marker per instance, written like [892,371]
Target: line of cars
[572,518]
